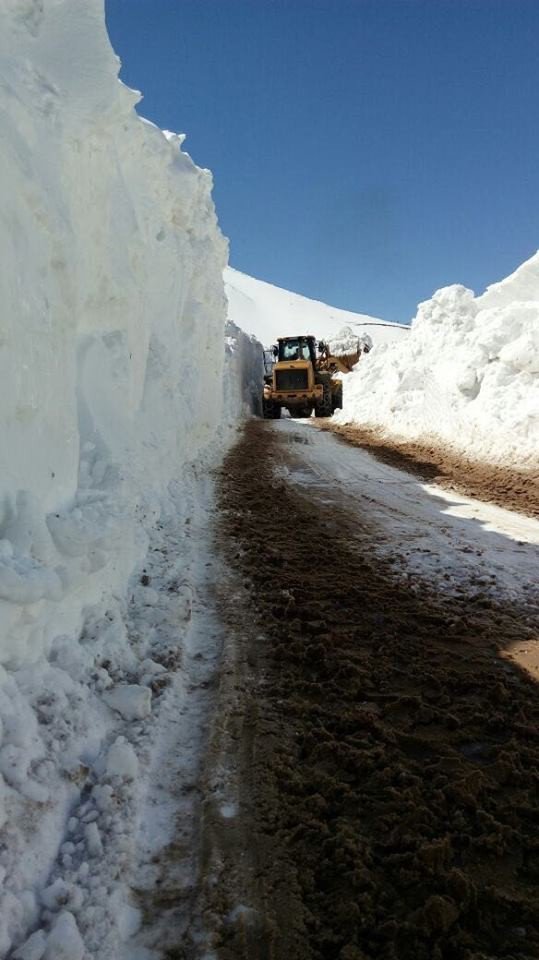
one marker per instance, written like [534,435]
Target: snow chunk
[61,894]
[122,760]
[129,918]
[33,948]
[64,941]
[93,839]
[22,580]
[150,668]
[35,791]
[102,793]
[129,922]
[131,700]
[348,343]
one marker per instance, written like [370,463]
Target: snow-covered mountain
[269,312]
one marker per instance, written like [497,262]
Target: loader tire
[325,407]
[336,401]
[271,410]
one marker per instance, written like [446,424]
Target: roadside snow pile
[468,374]
[269,312]
[111,378]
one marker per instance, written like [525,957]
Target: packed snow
[467,375]
[270,312]
[118,392]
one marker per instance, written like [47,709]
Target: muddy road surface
[372,777]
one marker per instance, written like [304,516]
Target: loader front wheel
[325,407]
[336,401]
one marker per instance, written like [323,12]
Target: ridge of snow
[270,312]
[520,286]
[467,375]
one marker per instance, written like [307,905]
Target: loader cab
[290,349]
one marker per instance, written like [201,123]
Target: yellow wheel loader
[302,380]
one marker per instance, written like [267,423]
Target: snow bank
[111,378]
[244,371]
[467,375]
[269,312]
[111,351]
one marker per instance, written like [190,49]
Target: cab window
[290,350]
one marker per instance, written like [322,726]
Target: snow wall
[467,375]
[111,357]
[112,380]
[244,362]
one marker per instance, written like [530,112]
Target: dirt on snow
[384,749]
[503,485]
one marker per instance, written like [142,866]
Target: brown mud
[503,485]
[385,750]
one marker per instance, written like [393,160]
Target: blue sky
[365,152]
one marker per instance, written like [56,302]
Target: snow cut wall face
[244,366]
[468,374]
[112,316]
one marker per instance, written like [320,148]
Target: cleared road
[376,727]
[427,533]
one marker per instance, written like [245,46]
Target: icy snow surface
[269,312]
[115,403]
[468,374]
[428,535]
